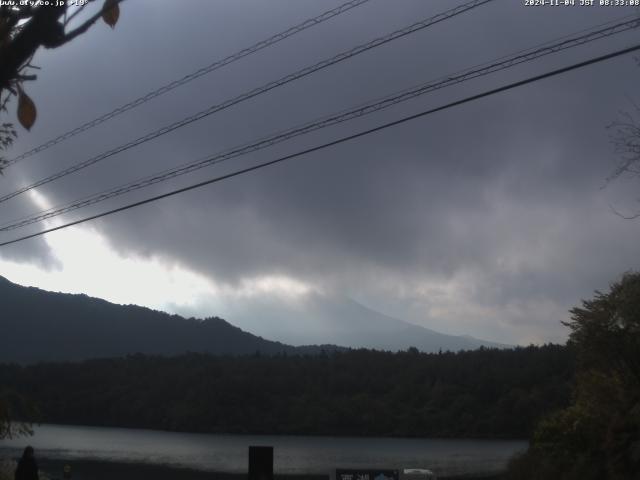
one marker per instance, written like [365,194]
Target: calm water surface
[292,454]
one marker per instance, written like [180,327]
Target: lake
[292,454]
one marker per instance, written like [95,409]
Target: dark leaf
[26,110]
[111,13]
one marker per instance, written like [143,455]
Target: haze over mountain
[333,319]
[43,326]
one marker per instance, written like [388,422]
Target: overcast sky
[490,219]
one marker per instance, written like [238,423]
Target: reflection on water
[292,454]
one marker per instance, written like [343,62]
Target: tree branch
[36,32]
[74,14]
[626,217]
[86,25]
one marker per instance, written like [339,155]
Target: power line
[336,142]
[362,110]
[278,37]
[257,91]
[365,109]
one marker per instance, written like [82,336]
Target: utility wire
[278,37]
[255,92]
[394,123]
[362,110]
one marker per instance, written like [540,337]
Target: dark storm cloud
[36,252]
[507,187]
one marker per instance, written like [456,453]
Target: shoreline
[489,438]
[86,469]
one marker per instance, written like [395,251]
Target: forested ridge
[481,393]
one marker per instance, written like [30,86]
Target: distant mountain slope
[367,327]
[37,325]
[320,318]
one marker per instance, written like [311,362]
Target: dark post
[260,463]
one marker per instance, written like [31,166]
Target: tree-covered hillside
[483,393]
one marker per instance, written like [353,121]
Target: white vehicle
[417,474]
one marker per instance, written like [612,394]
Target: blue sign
[357,474]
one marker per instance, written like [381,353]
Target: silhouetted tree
[598,435]
[625,137]
[23,30]
[16,414]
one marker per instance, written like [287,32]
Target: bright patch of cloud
[91,267]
